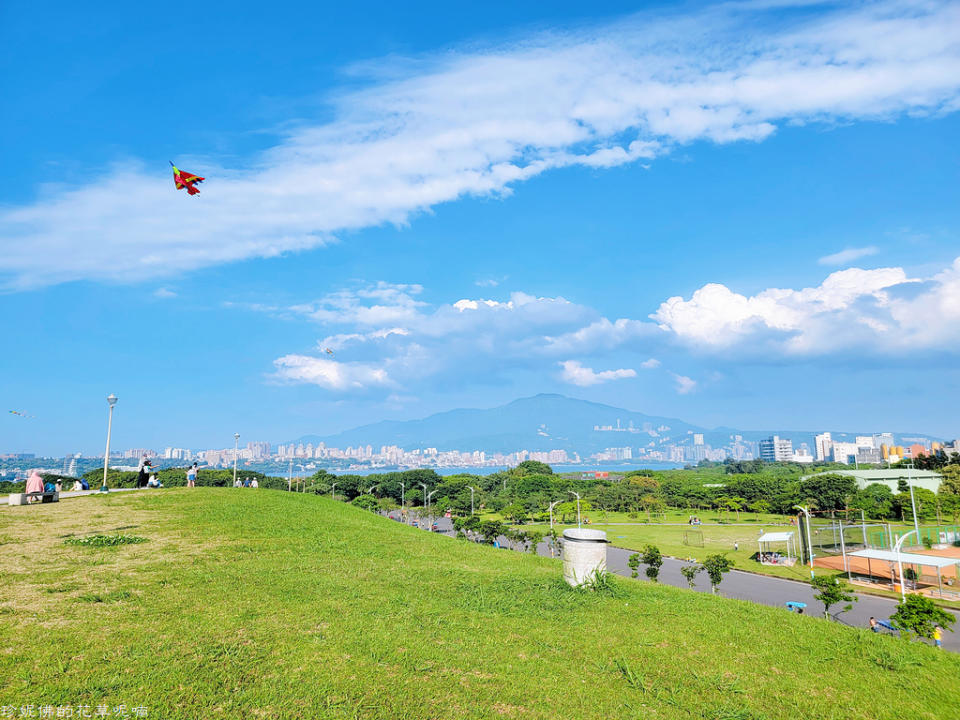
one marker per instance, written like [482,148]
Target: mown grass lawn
[248,603]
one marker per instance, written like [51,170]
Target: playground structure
[867,553]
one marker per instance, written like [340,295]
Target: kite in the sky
[21,414]
[328,351]
[185,180]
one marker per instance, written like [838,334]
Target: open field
[269,604]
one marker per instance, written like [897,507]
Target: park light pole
[913,503]
[111,400]
[403,488]
[429,515]
[550,510]
[236,451]
[333,495]
[809,541]
[471,499]
[903,593]
[578,505]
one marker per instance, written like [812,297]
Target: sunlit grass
[276,605]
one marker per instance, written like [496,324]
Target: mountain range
[544,422]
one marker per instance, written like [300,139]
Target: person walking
[192,476]
[938,636]
[143,473]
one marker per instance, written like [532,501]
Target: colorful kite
[185,180]
[328,351]
[21,414]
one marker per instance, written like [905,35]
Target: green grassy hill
[266,604]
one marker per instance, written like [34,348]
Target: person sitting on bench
[34,485]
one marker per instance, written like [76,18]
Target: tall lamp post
[913,503]
[111,400]
[333,495]
[429,515]
[471,499]
[290,476]
[236,451]
[809,539]
[403,488]
[424,486]
[578,505]
[550,510]
[903,593]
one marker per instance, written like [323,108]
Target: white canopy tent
[776,537]
[935,561]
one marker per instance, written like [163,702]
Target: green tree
[533,467]
[759,506]
[918,614]
[950,484]
[367,502]
[653,559]
[831,591]
[690,572]
[515,513]
[716,566]
[830,491]
[634,562]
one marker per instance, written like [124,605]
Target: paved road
[756,588]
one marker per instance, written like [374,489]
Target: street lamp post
[403,488]
[290,477]
[236,451]
[913,504]
[333,495]
[471,499]
[578,505]
[809,541]
[429,515]
[111,400]
[550,510]
[903,593]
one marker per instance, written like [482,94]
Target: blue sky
[742,214]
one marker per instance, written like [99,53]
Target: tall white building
[776,449]
[844,452]
[824,446]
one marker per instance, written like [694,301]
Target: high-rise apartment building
[776,449]
[824,446]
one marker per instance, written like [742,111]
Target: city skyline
[741,214]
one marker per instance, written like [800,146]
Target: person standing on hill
[192,476]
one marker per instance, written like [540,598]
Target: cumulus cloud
[849,255]
[882,310]
[480,120]
[651,364]
[575,373]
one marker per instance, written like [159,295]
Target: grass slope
[276,605]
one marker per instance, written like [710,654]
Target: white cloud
[685,385]
[490,282]
[849,255]
[164,293]
[575,373]
[329,374]
[882,311]
[651,364]
[478,121]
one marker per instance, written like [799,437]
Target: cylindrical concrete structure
[584,554]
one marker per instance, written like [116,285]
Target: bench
[23,498]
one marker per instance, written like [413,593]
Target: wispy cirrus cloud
[848,255]
[481,120]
